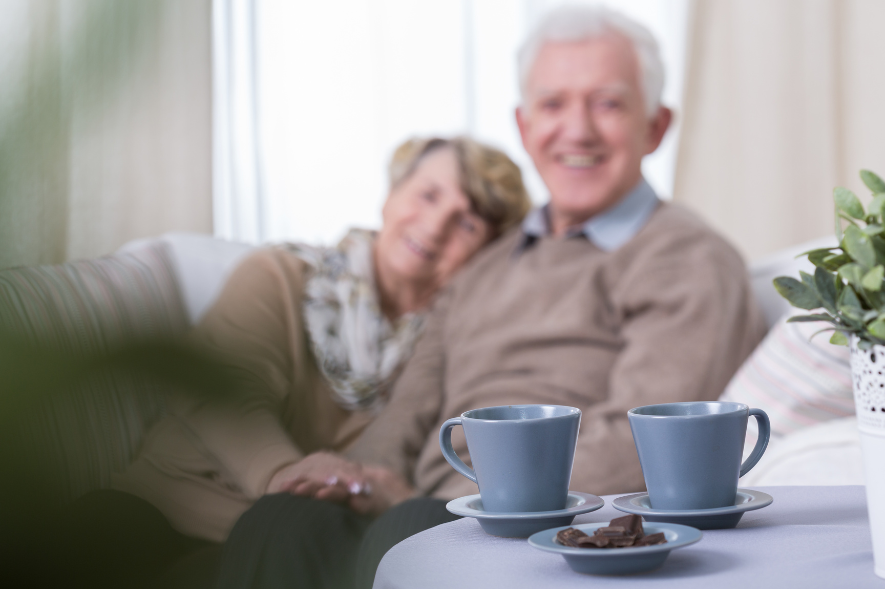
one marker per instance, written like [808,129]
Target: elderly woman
[317,336]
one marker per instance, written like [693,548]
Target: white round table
[809,537]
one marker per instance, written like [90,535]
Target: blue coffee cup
[522,455]
[690,453]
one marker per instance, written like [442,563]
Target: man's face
[584,124]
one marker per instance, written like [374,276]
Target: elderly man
[604,299]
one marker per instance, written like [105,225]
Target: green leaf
[873,229]
[852,274]
[848,202]
[849,219]
[825,284]
[839,339]
[872,280]
[820,249]
[798,294]
[835,261]
[869,316]
[875,207]
[858,245]
[877,328]
[807,279]
[872,181]
[850,305]
[809,318]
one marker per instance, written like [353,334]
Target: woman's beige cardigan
[206,463]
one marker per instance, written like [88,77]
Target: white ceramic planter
[868,379]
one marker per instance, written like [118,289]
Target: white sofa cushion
[202,264]
[825,454]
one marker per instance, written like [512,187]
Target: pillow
[799,381]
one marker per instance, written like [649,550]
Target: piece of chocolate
[651,540]
[622,542]
[622,532]
[632,523]
[570,536]
[594,542]
[612,531]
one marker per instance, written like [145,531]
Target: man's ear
[657,127]
[522,123]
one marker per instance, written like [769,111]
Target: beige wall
[115,128]
[783,102]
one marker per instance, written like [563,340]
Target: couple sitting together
[352,357]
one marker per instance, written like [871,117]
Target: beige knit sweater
[667,317]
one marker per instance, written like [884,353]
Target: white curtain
[312,97]
[783,102]
[105,125]
[239,210]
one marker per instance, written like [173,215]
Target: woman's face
[429,229]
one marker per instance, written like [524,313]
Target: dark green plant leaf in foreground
[872,181]
[831,262]
[807,279]
[798,294]
[810,318]
[848,202]
[32,373]
[879,248]
[825,284]
[858,245]
[850,307]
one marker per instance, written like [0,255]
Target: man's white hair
[579,23]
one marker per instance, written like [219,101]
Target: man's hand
[386,489]
[321,475]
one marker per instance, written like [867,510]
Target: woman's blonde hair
[489,178]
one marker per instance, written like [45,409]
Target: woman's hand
[385,489]
[321,475]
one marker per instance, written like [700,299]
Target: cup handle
[761,441]
[448,452]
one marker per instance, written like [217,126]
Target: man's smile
[579,160]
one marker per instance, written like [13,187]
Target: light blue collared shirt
[608,230]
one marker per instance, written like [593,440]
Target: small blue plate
[523,524]
[717,518]
[617,561]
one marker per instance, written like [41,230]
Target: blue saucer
[717,518]
[617,561]
[523,524]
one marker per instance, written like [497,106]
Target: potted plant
[847,291]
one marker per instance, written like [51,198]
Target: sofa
[162,286]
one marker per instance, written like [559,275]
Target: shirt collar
[608,230]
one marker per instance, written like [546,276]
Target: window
[311,98]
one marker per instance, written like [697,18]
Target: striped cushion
[86,433]
[797,380]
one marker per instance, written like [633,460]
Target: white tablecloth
[809,537]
